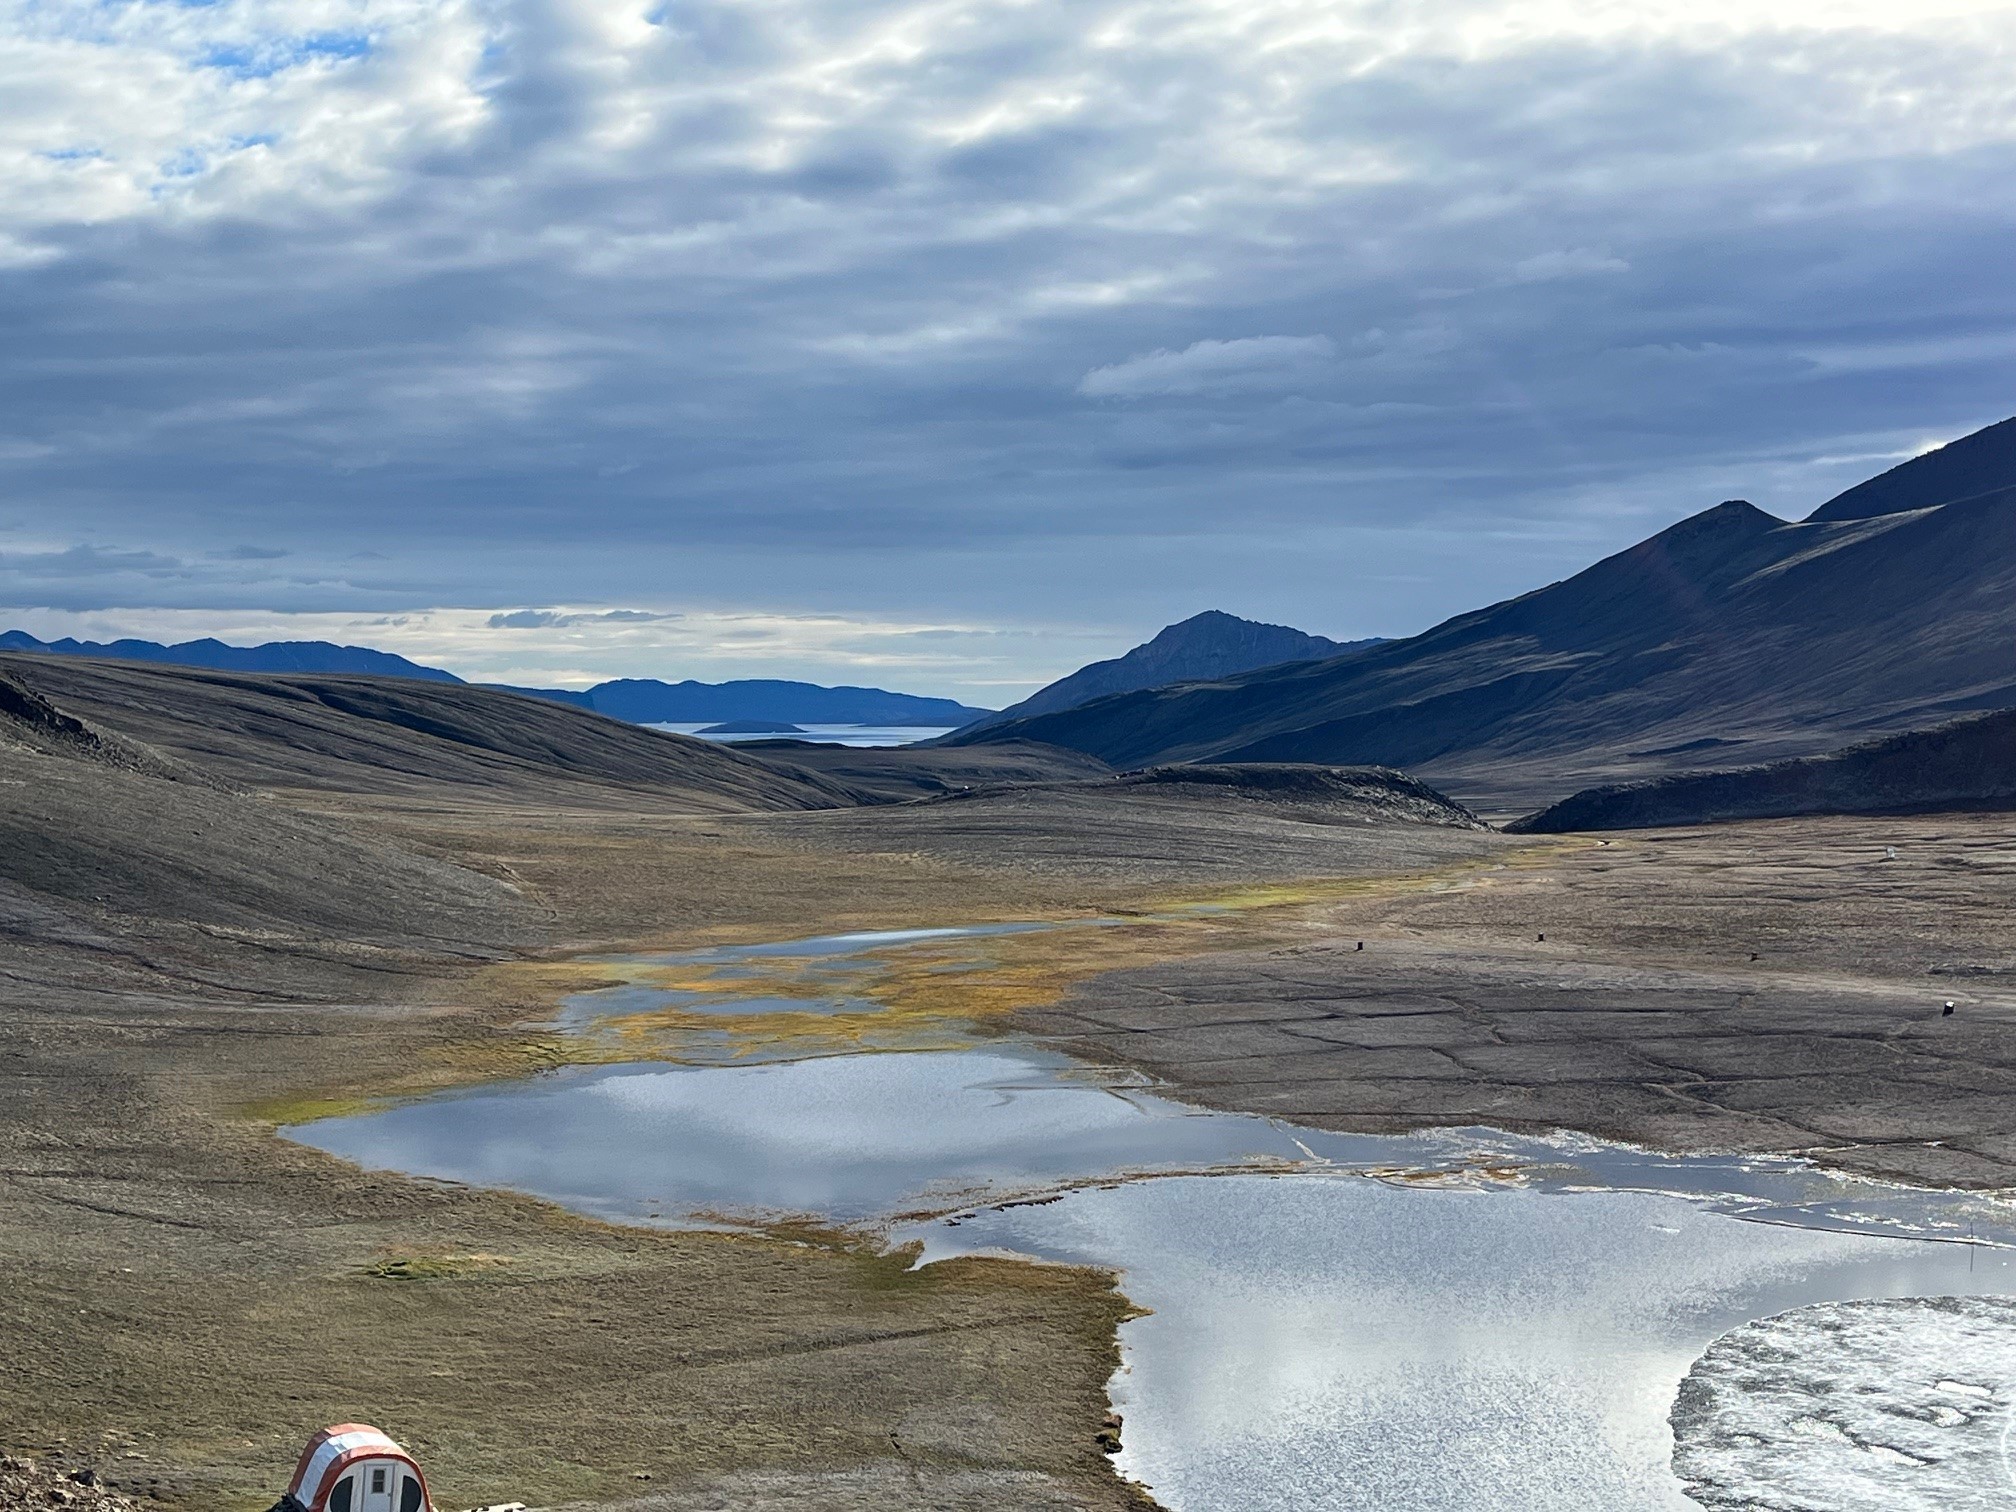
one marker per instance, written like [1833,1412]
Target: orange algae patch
[949,993]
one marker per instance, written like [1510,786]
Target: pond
[1463,1319]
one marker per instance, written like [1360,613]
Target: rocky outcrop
[39,1486]
[1965,764]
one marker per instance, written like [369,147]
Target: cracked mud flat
[1770,987]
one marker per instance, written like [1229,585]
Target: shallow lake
[1457,1320]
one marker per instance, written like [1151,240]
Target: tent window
[339,1499]
[409,1495]
[378,1481]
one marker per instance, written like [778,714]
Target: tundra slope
[388,736]
[894,774]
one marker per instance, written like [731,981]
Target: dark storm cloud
[1074,313]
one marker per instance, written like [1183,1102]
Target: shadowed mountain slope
[1166,828]
[1732,630]
[387,735]
[1305,793]
[1207,645]
[894,774]
[1975,464]
[1966,764]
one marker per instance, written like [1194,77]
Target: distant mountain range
[1731,634]
[1208,645]
[273,656]
[648,701]
[638,700]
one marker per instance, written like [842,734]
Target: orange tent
[352,1467]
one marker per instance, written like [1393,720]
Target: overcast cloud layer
[947,343]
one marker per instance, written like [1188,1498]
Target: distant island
[778,704]
[648,701]
[752,727]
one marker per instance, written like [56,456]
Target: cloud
[800,306]
[1244,365]
[553,619]
[1567,262]
[90,562]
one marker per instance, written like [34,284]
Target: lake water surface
[826,734]
[1457,1320]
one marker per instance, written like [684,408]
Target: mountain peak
[1214,628]
[1203,647]
[1710,533]
[1728,631]
[1731,516]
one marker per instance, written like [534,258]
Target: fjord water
[860,736]
[1457,1320]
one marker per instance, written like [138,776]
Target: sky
[947,344]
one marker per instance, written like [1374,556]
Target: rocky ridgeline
[1969,763]
[33,1486]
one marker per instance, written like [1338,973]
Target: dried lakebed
[1457,1320]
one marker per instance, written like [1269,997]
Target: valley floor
[184,1296]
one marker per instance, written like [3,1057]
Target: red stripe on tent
[301,1465]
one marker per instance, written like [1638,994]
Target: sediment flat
[1775,986]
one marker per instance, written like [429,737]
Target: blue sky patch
[283,53]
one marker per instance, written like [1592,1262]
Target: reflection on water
[1462,1320]
[1349,1343]
[847,1137]
[858,1137]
